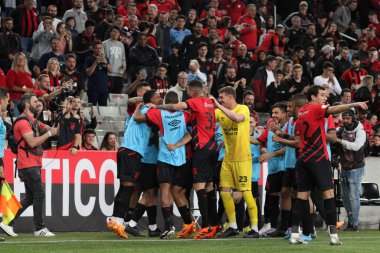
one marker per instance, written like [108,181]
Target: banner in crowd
[79,190]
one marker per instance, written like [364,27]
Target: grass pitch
[365,241]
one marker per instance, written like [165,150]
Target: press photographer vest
[351,159]
[22,145]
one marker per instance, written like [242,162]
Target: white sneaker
[8,229]
[264,229]
[334,240]
[296,240]
[43,232]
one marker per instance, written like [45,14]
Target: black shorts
[183,177]
[289,179]
[148,176]
[255,189]
[167,173]
[204,161]
[128,165]
[314,175]
[274,182]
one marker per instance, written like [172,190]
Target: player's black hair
[171,98]
[147,97]
[195,84]
[299,99]
[313,91]
[280,105]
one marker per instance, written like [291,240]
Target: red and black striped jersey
[310,127]
[202,122]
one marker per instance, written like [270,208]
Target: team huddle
[212,146]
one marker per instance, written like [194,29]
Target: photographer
[97,68]
[352,137]
[69,137]
[31,134]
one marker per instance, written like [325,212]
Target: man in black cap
[232,39]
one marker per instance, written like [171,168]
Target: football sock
[203,207]
[285,217]
[251,206]
[152,214]
[125,193]
[220,210]
[274,209]
[300,207]
[116,204]
[167,213]
[330,210]
[239,211]
[229,206]
[139,212]
[185,214]
[212,209]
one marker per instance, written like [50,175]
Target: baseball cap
[326,49]
[303,3]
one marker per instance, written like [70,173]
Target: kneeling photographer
[352,138]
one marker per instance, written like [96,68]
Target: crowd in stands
[275,49]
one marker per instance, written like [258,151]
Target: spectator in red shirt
[232,40]
[372,39]
[54,73]
[351,78]
[374,22]
[165,5]
[211,10]
[248,32]
[235,9]
[212,24]
[3,81]
[127,9]
[273,42]
[372,64]
[19,80]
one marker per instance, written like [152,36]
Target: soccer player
[136,139]
[289,186]
[204,153]
[171,162]
[236,170]
[149,185]
[256,165]
[314,169]
[275,157]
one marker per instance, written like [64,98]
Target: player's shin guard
[203,207]
[139,212]
[152,214]
[299,208]
[274,209]
[251,207]
[212,210]
[330,210]
[185,214]
[124,197]
[229,206]
[168,217]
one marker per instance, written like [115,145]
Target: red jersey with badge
[310,127]
[202,122]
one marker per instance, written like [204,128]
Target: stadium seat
[370,194]
[109,111]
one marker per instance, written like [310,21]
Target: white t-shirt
[270,77]
[320,81]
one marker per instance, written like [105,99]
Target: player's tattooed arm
[134,100]
[254,140]
[138,115]
[173,107]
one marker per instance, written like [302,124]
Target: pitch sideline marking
[156,240]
